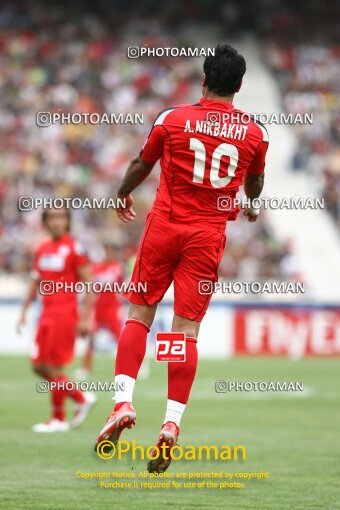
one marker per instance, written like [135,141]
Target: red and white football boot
[124,417]
[168,436]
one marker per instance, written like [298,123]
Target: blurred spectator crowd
[302,47]
[73,58]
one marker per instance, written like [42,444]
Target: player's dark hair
[44,216]
[224,70]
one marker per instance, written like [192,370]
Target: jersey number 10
[225,149]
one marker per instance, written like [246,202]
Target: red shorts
[179,253]
[109,318]
[55,339]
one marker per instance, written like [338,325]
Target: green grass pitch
[296,439]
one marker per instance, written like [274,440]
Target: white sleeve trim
[264,132]
[161,118]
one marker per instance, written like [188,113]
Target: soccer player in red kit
[207,151]
[107,306]
[59,259]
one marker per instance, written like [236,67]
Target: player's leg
[131,349]
[181,376]
[56,341]
[62,388]
[83,400]
[41,358]
[57,422]
[130,354]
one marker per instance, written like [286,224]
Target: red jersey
[205,150]
[107,272]
[58,261]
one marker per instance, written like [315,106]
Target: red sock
[131,348]
[181,375]
[70,391]
[58,400]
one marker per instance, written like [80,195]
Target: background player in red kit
[59,259]
[207,151]
[107,305]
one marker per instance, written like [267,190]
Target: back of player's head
[224,70]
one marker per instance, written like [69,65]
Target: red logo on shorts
[170,347]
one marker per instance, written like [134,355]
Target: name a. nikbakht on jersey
[234,131]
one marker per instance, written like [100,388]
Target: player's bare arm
[253,185]
[136,173]
[30,297]
[84,324]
